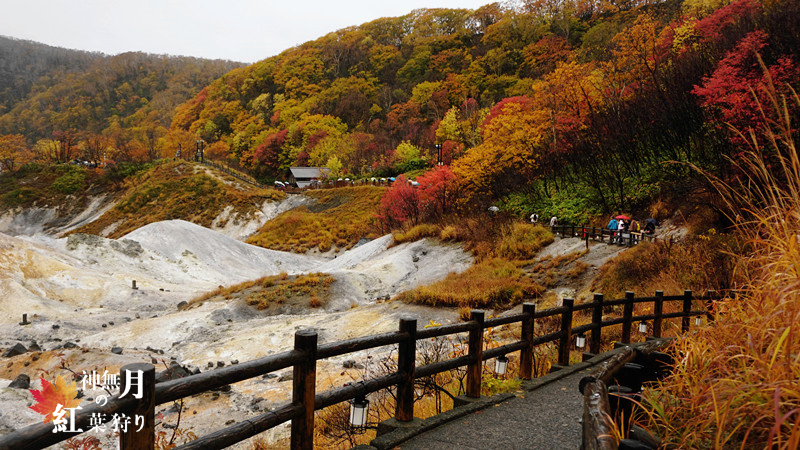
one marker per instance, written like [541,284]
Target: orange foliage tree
[514,134]
[13,151]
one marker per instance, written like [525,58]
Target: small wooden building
[305,176]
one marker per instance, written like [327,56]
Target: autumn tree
[13,152]
[66,146]
[515,133]
[734,91]
[400,204]
[438,193]
[94,146]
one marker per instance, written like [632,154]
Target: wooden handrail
[628,238]
[306,352]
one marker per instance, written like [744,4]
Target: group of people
[620,223]
[625,224]
[535,219]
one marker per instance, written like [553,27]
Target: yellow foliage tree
[510,152]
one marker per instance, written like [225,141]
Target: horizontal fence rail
[617,237]
[307,352]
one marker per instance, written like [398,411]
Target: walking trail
[544,414]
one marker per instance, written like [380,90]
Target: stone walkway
[544,414]
[546,418]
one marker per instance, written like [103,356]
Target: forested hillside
[88,103]
[524,99]
[566,107]
[26,65]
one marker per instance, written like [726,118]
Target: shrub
[494,283]
[20,196]
[416,233]
[70,182]
[448,233]
[521,241]
[671,266]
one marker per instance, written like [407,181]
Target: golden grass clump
[521,241]
[669,267]
[339,218]
[416,233]
[493,282]
[177,190]
[263,293]
[737,384]
[448,233]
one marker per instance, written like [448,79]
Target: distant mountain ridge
[24,63]
[45,89]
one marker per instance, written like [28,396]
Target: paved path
[545,418]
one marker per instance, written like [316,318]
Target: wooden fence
[234,173]
[626,238]
[303,358]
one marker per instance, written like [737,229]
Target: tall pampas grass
[736,383]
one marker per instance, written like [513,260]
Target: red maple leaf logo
[53,395]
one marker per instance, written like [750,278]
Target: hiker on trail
[534,218]
[612,226]
[635,226]
[625,225]
[553,221]
[650,227]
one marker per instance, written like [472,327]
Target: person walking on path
[534,218]
[612,226]
[553,221]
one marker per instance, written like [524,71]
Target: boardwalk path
[543,415]
[546,418]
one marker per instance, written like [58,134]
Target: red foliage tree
[267,155]
[438,192]
[711,27]
[734,91]
[400,204]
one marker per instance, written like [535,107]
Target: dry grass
[698,263]
[338,220]
[738,381]
[309,290]
[491,283]
[416,233]
[177,190]
[521,241]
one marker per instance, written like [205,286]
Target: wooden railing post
[304,382]
[566,332]
[597,324]
[627,315]
[687,308]
[406,364]
[135,379]
[526,354]
[658,311]
[475,348]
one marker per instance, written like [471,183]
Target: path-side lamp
[358,414]
[500,365]
[643,327]
[580,341]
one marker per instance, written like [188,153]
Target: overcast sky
[239,30]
